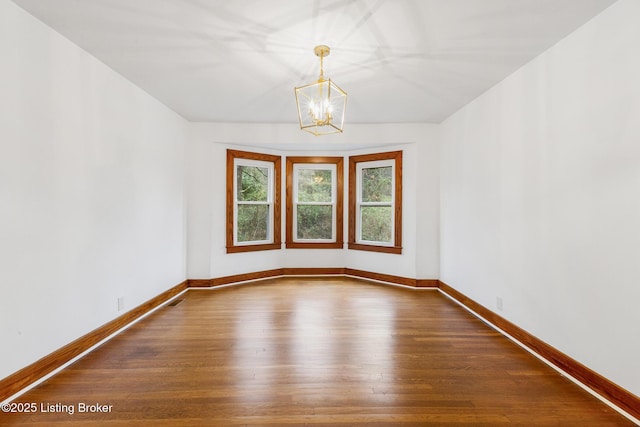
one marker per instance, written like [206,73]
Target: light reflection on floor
[324,346]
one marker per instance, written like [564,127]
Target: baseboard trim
[337,271]
[288,271]
[610,391]
[265,274]
[428,283]
[199,283]
[379,277]
[30,374]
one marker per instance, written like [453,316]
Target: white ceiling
[238,61]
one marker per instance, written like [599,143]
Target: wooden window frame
[396,247]
[232,247]
[339,232]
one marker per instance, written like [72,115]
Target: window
[375,202]
[253,201]
[314,202]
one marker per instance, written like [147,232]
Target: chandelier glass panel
[321,105]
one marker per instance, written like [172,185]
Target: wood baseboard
[199,283]
[236,278]
[337,271]
[32,373]
[389,278]
[622,398]
[427,283]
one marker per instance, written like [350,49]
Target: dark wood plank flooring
[323,351]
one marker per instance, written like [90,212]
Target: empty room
[319,212]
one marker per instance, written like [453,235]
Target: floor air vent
[174,303]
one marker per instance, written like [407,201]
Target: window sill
[253,248]
[315,245]
[375,248]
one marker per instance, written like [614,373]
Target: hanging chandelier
[321,104]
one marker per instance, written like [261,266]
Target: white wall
[428,206]
[91,192]
[206,156]
[540,196]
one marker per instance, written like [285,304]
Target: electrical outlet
[120,303]
[499,303]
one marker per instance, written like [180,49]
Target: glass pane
[253,222]
[253,184]
[376,184]
[376,223]
[314,185]
[315,222]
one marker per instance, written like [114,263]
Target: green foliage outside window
[376,223]
[252,188]
[376,184]
[252,183]
[377,215]
[314,221]
[314,185]
[253,223]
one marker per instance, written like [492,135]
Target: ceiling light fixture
[321,104]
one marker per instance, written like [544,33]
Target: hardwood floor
[329,351]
